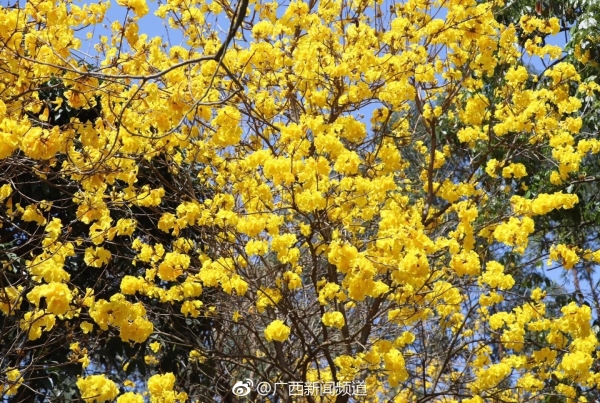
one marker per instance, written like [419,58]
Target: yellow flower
[125,226]
[97,389]
[85,361]
[394,363]
[267,298]
[537,294]
[293,280]
[150,360]
[31,213]
[41,143]
[334,319]
[197,356]
[11,301]
[139,7]
[5,191]
[236,316]
[229,131]
[37,322]
[494,276]
[130,397]
[191,308]
[516,171]
[58,297]
[491,167]
[53,228]
[466,263]
[166,222]
[96,256]
[277,331]
[137,331]
[149,197]
[130,285]
[13,376]
[161,389]
[565,254]
[328,292]
[86,327]
[173,266]
[515,232]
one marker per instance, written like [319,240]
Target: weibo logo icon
[242,388]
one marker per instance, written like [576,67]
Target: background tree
[576,227]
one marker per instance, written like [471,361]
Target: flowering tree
[324,192]
[577,227]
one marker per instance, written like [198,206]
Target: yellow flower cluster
[128,317]
[515,232]
[334,319]
[161,389]
[57,295]
[13,377]
[36,322]
[516,171]
[544,203]
[267,298]
[97,389]
[494,276]
[568,256]
[12,300]
[277,331]
[130,397]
